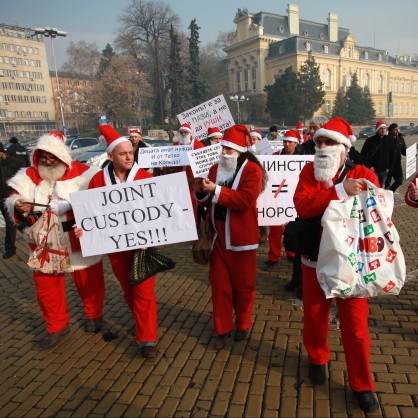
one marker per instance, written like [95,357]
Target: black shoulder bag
[303,236]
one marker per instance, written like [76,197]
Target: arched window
[367,81]
[348,80]
[348,52]
[380,84]
[366,55]
[327,77]
[406,109]
[379,56]
[308,46]
[402,87]
[326,48]
[396,87]
[254,76]
[400,109]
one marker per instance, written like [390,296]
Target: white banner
[204,158]
[411,161]
[214,112]
[275,205]
[144,213]
[164,156]
[276,145]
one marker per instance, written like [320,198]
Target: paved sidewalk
[265,376]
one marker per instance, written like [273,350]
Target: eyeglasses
[50,158]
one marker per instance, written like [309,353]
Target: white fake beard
[52,173]
[185,140]
[226,168]
[327,161]
[252,148]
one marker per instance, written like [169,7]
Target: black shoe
[7,255]
[222,341]
[241,335]
[366,400]
[52,338]
[93,325]
[292,285]
[149,351]
[270,263]
[317,373]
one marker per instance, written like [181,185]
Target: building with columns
[265,44]
[26,96]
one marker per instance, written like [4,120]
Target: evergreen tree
[197,85]
[310,87]
[283,102]
[107,55]
[369,112]
[177,83]
[359,104]
[340,105]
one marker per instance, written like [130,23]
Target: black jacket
[378,153]
[400,149]
[16,158]
[308,147]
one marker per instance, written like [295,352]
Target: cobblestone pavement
[265,376]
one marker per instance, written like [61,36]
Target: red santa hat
[236,138]
[257,134]
[112,137]
[54,143]
[134,131]
[292,136]
[337,129]
[379,125]
[299,125]
[214,132]
[186,127]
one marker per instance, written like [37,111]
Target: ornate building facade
[265,44]
[26,96]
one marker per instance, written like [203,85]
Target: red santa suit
[408,200]
[140,298]
[49,275]
[232,272]
[311,199]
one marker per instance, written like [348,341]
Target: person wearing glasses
[40,205]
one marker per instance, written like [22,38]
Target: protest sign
[411,161]
[202,159]
[145,213]
[163,156]
[276,145]
[263,147]
[275,205]
[214,112]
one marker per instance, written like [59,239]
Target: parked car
[408,130]
[367,132]
[91,156]
[80,145]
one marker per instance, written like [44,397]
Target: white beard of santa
[252,148]
[52,173]
[185,140]
[327,161]
[226,168]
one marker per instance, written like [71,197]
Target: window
[406,109]
[400,109]
[282,49]
[408,88]
[348,52]
[326,49]
[238,79]
[246,78]
[380,84]
[379,109]
[348,80]
[6,60]
[12,48]
[367,81]
[379,56]
[30,50]
[308,46]
[402,87]
[328,78]
[414,89]
[327,106]
[366,55]
[396,87]
[254,76]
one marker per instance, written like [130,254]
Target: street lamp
[53,33]
[238,99]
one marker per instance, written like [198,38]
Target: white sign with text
[411,161]
[275,205]
[164,156]
[214,112]
[263,147]
[201,160]
[144,213]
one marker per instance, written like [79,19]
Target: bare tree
[122,91]
[83,59]
[149,23]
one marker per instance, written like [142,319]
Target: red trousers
[140,298]
[50,290]
[353,315]
[275,242]
[232,278]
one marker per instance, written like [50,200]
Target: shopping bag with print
[360,254]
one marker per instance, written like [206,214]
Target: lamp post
[53,33]
[238,99]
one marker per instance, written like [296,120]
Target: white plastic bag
[360,254]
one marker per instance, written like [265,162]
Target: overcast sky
[386,24]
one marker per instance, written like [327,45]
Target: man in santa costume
[54,248]
[302,137]
[135,136]
[331,177]
[141,297]
[214,136]
[231,191]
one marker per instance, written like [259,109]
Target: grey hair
[321,120]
